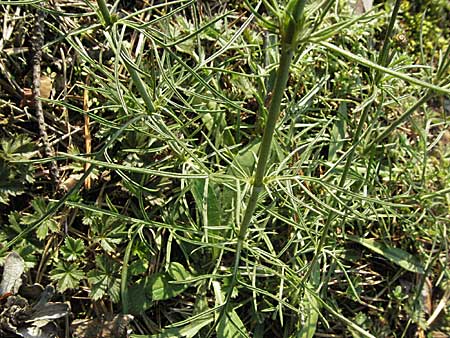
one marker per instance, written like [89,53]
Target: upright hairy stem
[264,150]
[291,25]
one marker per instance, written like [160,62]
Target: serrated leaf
[72,248]
[395,255]
[41,208]
[15,175]
[46,226]
[109,231]
[67,275]
[104,279]
[19,146]
[9,187]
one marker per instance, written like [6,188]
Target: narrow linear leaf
[187,331]
[311,308]
[395,255]
[389,71]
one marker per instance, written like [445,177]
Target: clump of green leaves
[424,26]
[67,272]
[15,176]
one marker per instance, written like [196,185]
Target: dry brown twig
[37,41]
[87,132]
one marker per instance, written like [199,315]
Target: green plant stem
[105,12]
[383,57]
[287,52]
[264,152]
[294,12]
[290,30]
[137,81]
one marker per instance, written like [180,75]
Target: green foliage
[107,231]
[49,225]
[67,275]
[423,26]
[15,176]
[158,286]
[395,255]
[73,249]
[189,330]
[352,211]
[104,279]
